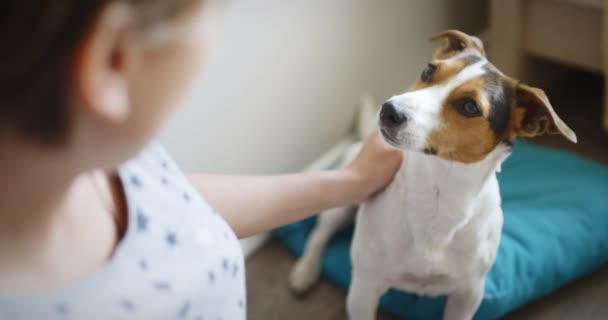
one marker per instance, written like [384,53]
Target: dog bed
[555,229]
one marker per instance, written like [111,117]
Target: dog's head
[463,107]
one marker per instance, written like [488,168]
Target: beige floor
[578,99]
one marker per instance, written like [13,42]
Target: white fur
[434,230]
[423,107]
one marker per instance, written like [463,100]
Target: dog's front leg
[363,297]
[463,304]
[306,271]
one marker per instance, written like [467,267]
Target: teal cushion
[555,207]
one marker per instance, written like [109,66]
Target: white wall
[284,76]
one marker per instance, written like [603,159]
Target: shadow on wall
[283,77]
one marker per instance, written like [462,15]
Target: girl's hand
[374,167]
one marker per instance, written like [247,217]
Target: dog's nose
[390,116]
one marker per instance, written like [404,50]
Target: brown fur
[445,70]
[470,139]
[533,115]
[460,138]
[455,42]
[517,116]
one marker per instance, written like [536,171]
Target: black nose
[390,116]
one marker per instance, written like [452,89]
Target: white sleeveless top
[178,259]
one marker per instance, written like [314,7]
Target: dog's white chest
[430,231]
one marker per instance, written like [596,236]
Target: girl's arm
[253,204]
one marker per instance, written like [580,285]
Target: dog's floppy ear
[454,42]
[533,115]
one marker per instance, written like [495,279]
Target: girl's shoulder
[178,258]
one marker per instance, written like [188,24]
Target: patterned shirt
[178,259]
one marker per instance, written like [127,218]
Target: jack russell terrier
[435,229]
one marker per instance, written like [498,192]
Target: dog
[436,228]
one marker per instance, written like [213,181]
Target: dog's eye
[428,73]
[467,107]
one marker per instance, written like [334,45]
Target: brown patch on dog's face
[466,134]
[506,109]
[462,107]
[439,71]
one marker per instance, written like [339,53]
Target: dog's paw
[303,276]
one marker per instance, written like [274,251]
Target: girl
[97,222]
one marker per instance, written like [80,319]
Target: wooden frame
[566,31]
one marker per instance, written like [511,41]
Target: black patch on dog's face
[500,114]
[500,97]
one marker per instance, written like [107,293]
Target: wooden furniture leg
[605,55]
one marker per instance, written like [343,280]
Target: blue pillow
[555,207]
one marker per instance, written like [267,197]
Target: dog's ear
[455,42]
[533,115]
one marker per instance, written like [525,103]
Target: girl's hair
[38,41]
